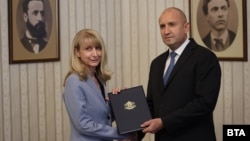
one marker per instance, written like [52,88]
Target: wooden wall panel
[142,55]
[50,102]
[24,102]
[41,102]
[110,36]
[65,43]
[5,76]
[126,42]
[32,101]
[15,103]
[246,71]
[58,101]
[1,88]
[117,76]
[238,95]
[228,92]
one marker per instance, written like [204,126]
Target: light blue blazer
[89,113]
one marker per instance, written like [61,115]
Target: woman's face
[89,53]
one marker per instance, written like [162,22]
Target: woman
[85,94]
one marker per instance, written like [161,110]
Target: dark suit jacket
[186,103]
[208,42]
[29,47]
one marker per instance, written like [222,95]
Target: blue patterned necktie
[170,67]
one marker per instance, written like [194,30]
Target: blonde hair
[76,66]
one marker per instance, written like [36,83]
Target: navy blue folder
[130,109]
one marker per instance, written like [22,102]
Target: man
[216,12]
[182,109]
[33,14]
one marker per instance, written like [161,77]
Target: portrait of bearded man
[35,33]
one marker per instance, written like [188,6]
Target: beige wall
[31,106]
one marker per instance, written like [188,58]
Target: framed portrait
[33,31]
[220,25]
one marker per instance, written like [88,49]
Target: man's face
[173,28]
[217,14]
[34,19]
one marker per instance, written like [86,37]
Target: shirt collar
[180,49]
[223,37]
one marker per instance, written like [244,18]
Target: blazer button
[108,117]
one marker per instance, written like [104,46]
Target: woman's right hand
[117,90]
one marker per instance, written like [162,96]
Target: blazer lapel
[96,90]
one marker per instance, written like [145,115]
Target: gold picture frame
[20,51]
[237,49]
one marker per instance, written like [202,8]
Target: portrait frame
[237,51]
[18,52]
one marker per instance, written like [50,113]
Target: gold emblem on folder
[129,105]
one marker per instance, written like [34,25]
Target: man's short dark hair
[26,3]
[205,6]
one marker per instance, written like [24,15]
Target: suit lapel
[161,69]
[182,59]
